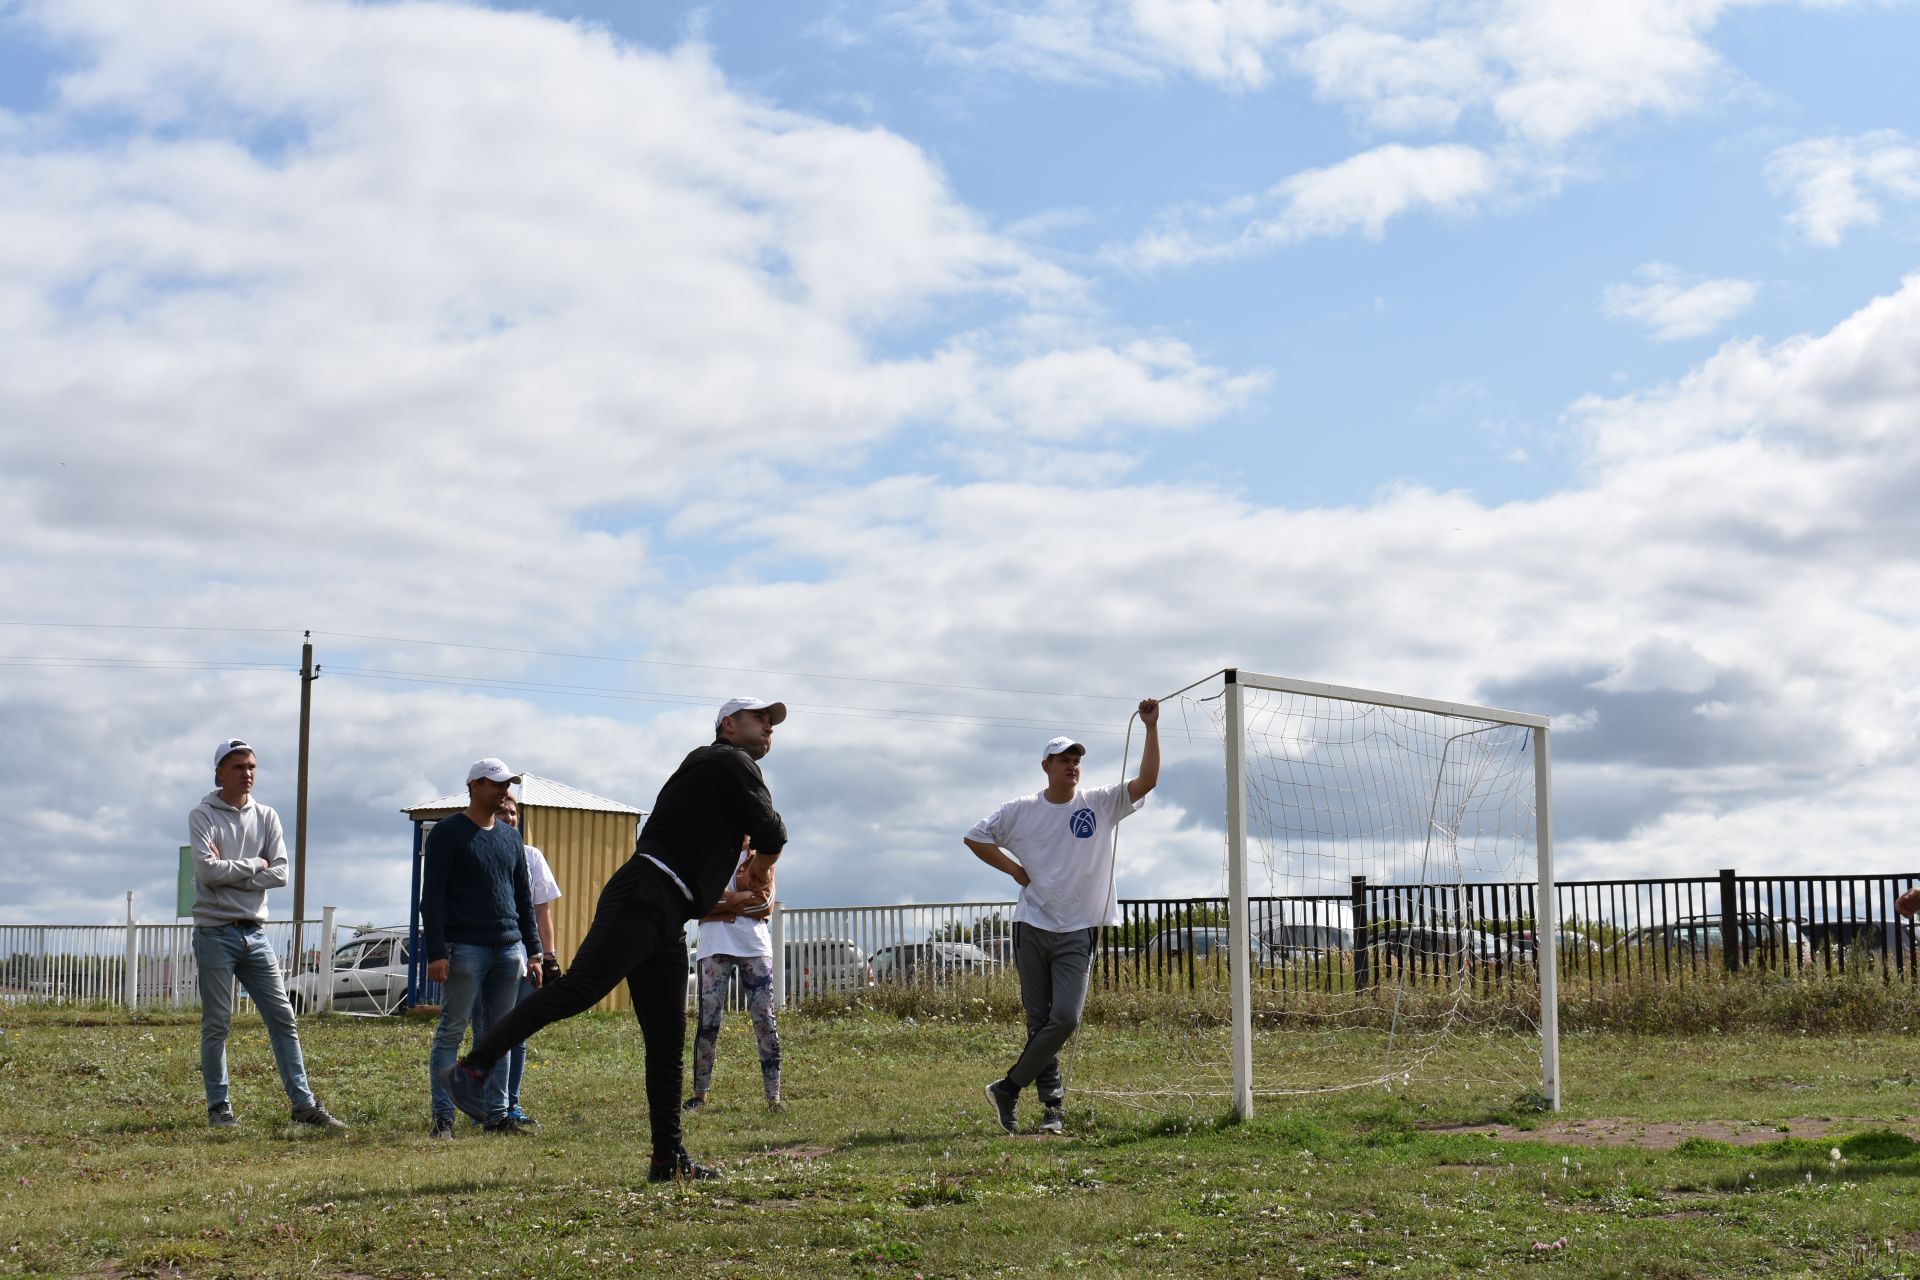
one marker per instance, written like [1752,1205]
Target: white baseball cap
[226,748]
[492,769]
[1057,745]
[731,705]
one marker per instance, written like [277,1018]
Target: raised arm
[1149,776]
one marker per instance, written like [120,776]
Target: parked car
[369,975]
[1885,937]
[1692,939]
[1436,947]
[822,966]
[999,948]
[934,962]
[1307,941]
[1181,946]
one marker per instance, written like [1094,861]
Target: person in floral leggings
[734,939]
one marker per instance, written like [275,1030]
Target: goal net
[1382,861]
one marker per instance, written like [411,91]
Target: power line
[694,700]
[496,684]
[585,657]
[139,664]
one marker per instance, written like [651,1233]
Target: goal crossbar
[1282,684]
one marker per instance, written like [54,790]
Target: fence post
[777,931]
[1361,958]
[326,959]
[1729,920]
[133,960]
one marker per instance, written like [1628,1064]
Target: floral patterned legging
[756,984]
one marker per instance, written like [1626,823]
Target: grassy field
[1676,1155]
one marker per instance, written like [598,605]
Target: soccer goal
[1388,895]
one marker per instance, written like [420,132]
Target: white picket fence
[137,966]
[817,951]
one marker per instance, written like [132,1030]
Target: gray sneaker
[316,1118]
[220,1116]
[442,1130]
[1055,1120]
[1003,1099]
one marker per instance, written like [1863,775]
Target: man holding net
[1057,845]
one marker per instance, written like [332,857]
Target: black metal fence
[1663,929]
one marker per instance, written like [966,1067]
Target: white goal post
[1331,762]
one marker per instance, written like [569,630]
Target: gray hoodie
[228,843]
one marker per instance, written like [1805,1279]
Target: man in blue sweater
[476,923]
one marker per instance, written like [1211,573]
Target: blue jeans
[516,1056]
[222,953]
[490,975]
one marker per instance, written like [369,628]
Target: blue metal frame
[420,990]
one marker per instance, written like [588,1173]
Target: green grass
[885,1164]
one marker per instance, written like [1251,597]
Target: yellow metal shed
[585,838]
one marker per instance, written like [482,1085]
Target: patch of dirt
[801,1153]
[1654,1135]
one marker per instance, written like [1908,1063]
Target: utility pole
[308,674]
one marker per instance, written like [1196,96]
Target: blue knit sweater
[474,888]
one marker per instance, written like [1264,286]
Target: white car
[369,975]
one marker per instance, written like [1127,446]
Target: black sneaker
[442,1130]
[220,1116]
[679,1167]
[1003,1097]
[693,1104]
[507,1125]
[1054,1121]
[316,1117]
[468,1089]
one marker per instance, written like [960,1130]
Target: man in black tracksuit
[686,853]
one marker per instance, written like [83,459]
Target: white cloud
[1661,662]
[1840,183]
[1523,79]
[1674,306]
[407,257]
[1740,551]
[1545,70]
[1398,82]
[1569,66]
[1362,193]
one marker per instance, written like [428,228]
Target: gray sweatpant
[1053,989]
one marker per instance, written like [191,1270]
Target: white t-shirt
[740,936]
[540,877]
[1067,850]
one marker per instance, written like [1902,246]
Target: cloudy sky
[959,372]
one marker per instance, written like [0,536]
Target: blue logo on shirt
[1081,823]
